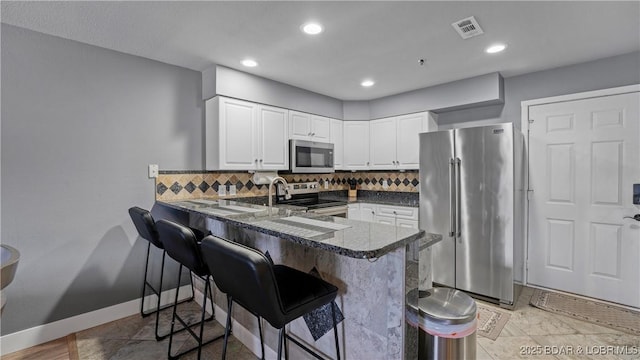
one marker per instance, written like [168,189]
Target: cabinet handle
[367,163]
[256,160]
[260,160]
[394,212]
[308,134]
[313,134]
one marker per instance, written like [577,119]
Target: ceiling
[378,40]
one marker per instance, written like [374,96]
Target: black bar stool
[277,293]
[146,227]
[181,244]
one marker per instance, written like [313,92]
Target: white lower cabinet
[402,216]
[353,212]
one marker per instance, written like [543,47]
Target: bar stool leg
[286,349]
[158,336]
[144,284]
[280,340]
[227,329]
[261,339]
[335,331]
[173,317]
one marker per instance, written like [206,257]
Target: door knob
[635,217]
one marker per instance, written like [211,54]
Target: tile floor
[528,329]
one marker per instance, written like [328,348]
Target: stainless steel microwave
[310,157]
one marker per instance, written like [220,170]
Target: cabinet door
[356,145]
[299,125]
[353,212]
[408,141]
[337,138]
[238,135]
[382,151]
[368,212]
[320,128]
[274,143]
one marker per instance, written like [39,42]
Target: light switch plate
[232,190]
[153,171]
[222,191]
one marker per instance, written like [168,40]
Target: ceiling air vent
[468,28]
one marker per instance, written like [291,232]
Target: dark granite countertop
[375,197]
[352,238]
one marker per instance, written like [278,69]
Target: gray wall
[605,73]
[79,126]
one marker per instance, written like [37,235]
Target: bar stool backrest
[145,225]
[181,245]
[246,275]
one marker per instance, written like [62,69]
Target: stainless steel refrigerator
[471,192]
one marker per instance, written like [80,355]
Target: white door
[274,144]
[584,157]
[382,146]
[356,145]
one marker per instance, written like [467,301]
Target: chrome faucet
[286,191]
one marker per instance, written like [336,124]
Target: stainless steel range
[306,195]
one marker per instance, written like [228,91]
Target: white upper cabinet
[395,142]
[337,138]
[382,151]
[241,135]
[408,141]
[309,127]
[320,128]
[274,139]
[299,125]
[356,145]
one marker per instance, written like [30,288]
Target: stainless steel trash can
[447,325]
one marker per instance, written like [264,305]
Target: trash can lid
[447,306]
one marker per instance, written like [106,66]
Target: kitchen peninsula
[374,265]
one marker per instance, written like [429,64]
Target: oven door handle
[332,210]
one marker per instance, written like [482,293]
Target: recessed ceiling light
[496,48]
[249,63]
[312,28]
[367,83]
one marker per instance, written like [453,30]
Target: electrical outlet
[385,184]
[153,171]
[222,190]
[232,190]
[326,184]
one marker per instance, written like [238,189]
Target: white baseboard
[54,330]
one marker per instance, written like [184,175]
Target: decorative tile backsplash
[175,185]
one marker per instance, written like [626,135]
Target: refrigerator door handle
[452,202]
[458,205]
